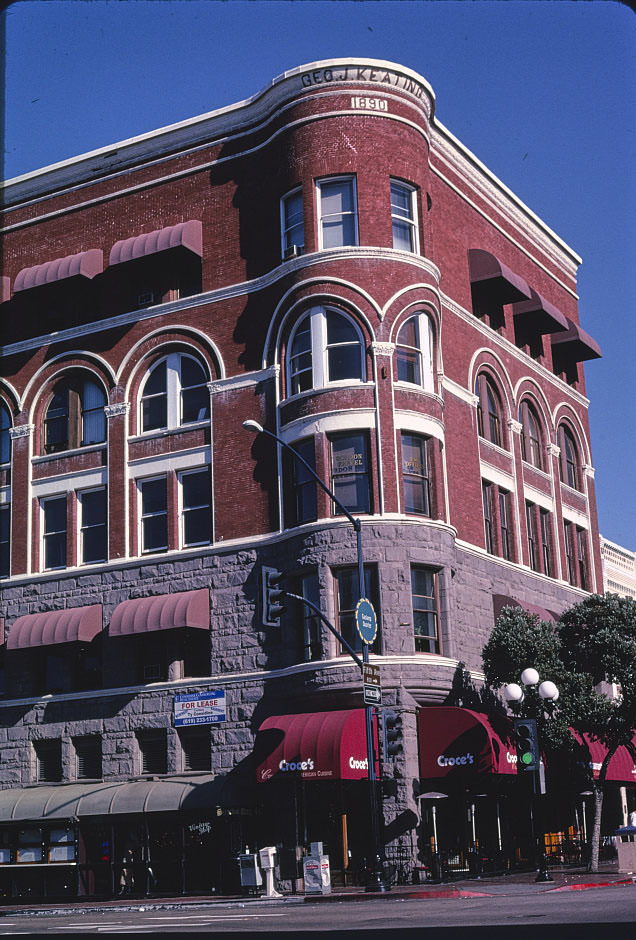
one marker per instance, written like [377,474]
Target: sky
[541,92]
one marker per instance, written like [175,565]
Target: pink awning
[84,264]
[315,746]
[499,601]
[185,235]
[491,279]
[539,314]
[457,742]
[622,767]
[74,625]
[5,288]
[575,344]
[162,612]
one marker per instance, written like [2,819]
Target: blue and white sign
[366,621]
[203,708]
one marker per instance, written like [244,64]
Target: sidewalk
[564,879]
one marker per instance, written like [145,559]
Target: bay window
[350,471]
[403,216]
[337,212]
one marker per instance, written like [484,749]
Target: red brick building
[325,258]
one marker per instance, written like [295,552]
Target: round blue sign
[366,620]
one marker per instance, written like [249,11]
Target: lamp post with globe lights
[528,752]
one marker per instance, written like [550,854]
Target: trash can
[625,841]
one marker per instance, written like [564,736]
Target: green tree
[594,642]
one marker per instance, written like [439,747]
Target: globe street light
[515,695]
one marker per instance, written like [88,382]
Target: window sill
[166,432]
[72,452]
[332,386]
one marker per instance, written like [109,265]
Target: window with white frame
[416,477]
[414,352]
[489,410]
[174,393]
[325,346]
[196,507]
[425,601]
[93,530]
[75,415]
[337,212]
[153,495]
[569,458]
[292,226]
[403,216]
[54,531]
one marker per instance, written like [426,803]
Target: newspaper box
[317,874]
[625,841]
[250,872]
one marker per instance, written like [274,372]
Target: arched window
[5,440]
[174,393]
[488,410]
[531,450]
[414,355]
[75,415]
[570,469]
[325,347]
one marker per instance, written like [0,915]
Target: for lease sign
[202,708]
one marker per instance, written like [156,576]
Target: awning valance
[74,625]
[5,288]
[575,344]
[459,743]
[539,315]
[184,235]
[162,612]
[77,800]
[622,767]
[493,281]
[84,264]
[499,601]
[315,746]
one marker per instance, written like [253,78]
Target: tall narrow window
[153,752]
[488,410]
[154,402]
[581,551]
[403,216]
[196,509]
[348,595]
[93,538]
[5,439]
[414,352]
[504,526]
[338,212]
[530,436]
[300,486]
[196,746]
[93,401]
[568,539]
[154,514]
[309,640]
[293,237]
[5,545]
[54,531]
[531,526]
[425,609]
[75,415]
[56,422]
[544,519]
[486,492]
[415,474]
[325,346]
[343,348]
[350,471]
[569,458]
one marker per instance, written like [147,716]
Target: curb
[596,884]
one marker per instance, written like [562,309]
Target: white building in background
[619,569]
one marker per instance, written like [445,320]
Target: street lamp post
[514,695]
[375,880]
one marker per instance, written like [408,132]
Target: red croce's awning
[539,315]
[622,767]
[315,746]
[162,612]
[575,344]
[184,235]
[492,280]
[459,743]
[76,625]
[84,264]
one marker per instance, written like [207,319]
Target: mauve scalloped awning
[622,766]
[499,601]
[84,264]
[5,288]
[162,612]
[75,625]
[492,279]
[539,314]
[575,344]
[459,743]
[184,235]
[314,746]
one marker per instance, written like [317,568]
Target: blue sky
[541,92]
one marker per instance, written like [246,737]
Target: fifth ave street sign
[372,691]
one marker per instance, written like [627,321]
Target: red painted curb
[595,884]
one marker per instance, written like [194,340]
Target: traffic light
[271,595]
[391,733]
[527,741]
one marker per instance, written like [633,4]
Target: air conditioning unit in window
[152,673]
[293,251]
[146,298]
